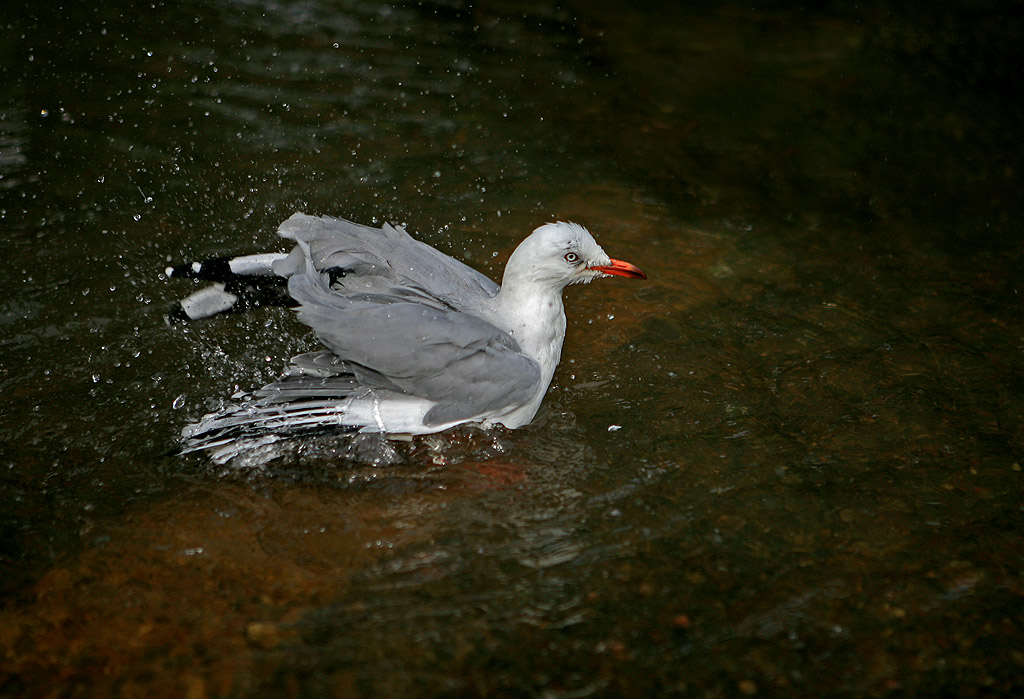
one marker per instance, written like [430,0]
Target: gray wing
[386,255]
[408,340]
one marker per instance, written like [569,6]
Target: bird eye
[572,258]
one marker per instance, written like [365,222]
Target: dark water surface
[789,464]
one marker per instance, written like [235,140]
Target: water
[787,464]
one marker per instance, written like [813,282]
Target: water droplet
[178,402]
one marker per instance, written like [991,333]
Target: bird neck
[533,315]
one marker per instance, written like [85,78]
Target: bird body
[416,341]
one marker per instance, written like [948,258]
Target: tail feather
[263,420]
[311,398]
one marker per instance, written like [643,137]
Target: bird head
[562,253]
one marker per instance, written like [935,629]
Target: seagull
[415,341]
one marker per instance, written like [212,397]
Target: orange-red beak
[622,269]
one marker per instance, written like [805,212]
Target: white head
[562,253]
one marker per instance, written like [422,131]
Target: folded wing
[412,342]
